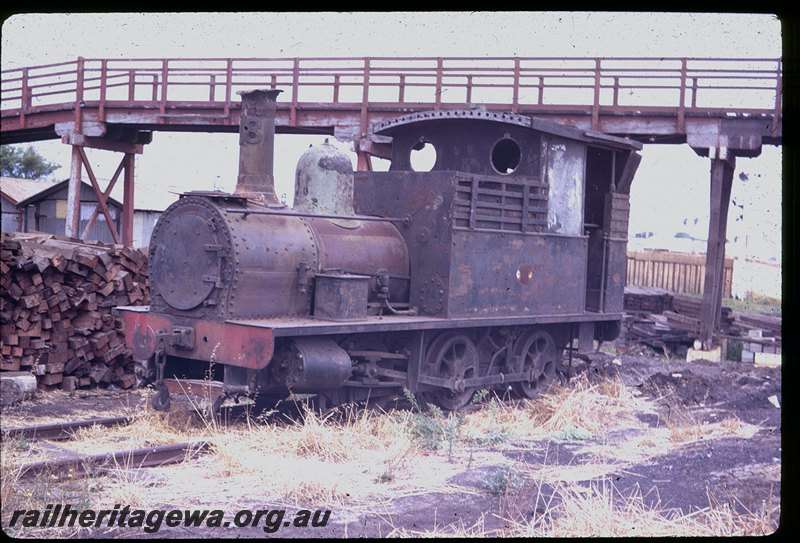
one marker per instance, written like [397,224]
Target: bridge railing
[684,85]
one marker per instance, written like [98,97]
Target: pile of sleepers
[650,318]
[661,318]
[57,319]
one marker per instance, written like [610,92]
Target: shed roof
[17,190]
[145,197]
[56,187]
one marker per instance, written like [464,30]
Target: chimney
[256,146]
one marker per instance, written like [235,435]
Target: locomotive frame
[476,274]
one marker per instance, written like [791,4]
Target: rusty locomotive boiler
[475,274]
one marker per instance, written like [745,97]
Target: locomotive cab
[517,216]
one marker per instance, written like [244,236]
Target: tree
[24,163]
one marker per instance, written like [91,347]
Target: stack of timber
[660,318]
[647,299]
[761,337]
[646,321]
[57,319]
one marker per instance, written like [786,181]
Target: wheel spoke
[539,356]
[452,356]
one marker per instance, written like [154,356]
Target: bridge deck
[645,98]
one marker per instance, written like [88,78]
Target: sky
[671,186]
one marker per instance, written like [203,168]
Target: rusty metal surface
[516,231]
[428,199]
[501,204]
[502,241]
[516,275]
[298,326]
[189,262]
[256,146]
[310,364]
[306,326]
[61,430]
[324,181]
[564,173]
[614,287]
[227,343]
[475,150]
[364,248]
[269,252]
[461,271]
[207,262]
[341,297]
[81,465]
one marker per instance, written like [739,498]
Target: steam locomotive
[475,274]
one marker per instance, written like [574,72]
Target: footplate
[229,343]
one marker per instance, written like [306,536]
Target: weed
[432,429]
[19,443]
[682,426]
[493,431]
[504,481]
[571,434]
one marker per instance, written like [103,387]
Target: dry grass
[324,460]
[601,510]
[360,460]
[595,408]
[341,460]
[461,530]
[581,410]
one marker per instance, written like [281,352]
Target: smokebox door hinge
[212,279]
[304,274]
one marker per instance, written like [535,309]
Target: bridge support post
[364,162]
[722,166]
[80,161]
[127,201]
[74,194]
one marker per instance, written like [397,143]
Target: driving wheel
[539,359]
[452,355]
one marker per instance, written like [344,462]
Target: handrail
[688,84]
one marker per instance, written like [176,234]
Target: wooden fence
[678,272]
